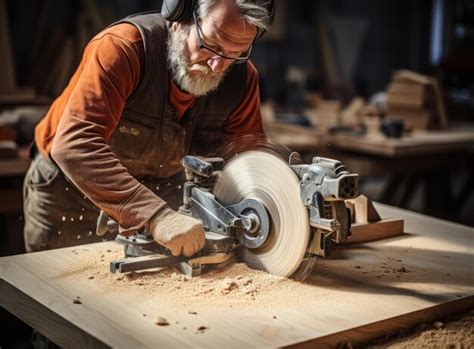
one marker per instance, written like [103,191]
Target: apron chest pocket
[130,138]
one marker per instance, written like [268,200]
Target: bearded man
[150,89]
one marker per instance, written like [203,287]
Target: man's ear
[175,26]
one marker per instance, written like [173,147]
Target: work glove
[180,233]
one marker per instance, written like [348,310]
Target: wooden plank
[389,327]
[406,88]
[56,328]
[404,100]
[383,229]
[342,298]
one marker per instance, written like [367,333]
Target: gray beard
[179,64]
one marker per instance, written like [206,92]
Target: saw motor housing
[325,184]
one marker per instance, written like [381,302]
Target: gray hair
[253,12]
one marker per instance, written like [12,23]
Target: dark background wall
[397,35]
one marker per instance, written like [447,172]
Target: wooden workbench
[31,290]
[416,144]
[432,160]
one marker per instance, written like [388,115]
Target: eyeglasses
[242,58]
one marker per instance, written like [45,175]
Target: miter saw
[273,215]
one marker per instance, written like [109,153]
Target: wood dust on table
[239,287]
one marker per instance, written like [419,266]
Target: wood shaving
[161,321]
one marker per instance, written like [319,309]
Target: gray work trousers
[58,215]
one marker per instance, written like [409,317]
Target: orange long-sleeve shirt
[115,56]
[79,123]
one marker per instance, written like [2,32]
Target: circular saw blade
[265,177]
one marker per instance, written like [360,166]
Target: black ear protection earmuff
[182,11]
[178,10]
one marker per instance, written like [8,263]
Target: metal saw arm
[246,221]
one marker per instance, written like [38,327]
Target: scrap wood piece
[362,210]
[367,224]
[383,229]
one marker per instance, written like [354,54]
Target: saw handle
[198,166]
[105,225]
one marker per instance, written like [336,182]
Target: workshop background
[387,87]
[328,69]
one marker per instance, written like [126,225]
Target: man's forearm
[82,153]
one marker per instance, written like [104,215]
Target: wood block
[413,119]
[406,87]
[383,229]
[405,99]
[411,76]
[364,211]
[433,91]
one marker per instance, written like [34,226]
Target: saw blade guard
[258,175]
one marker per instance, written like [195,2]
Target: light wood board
[348,306]
[386,228]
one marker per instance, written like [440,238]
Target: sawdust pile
[233,286]
[454,332]
[237,286]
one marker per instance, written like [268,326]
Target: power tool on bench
[272,214]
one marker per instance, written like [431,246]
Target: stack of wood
[416,100]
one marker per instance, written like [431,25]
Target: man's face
[199,71]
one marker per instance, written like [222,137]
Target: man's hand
[179,233]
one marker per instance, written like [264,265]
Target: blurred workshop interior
[385,87]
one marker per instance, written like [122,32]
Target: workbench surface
[353,300]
